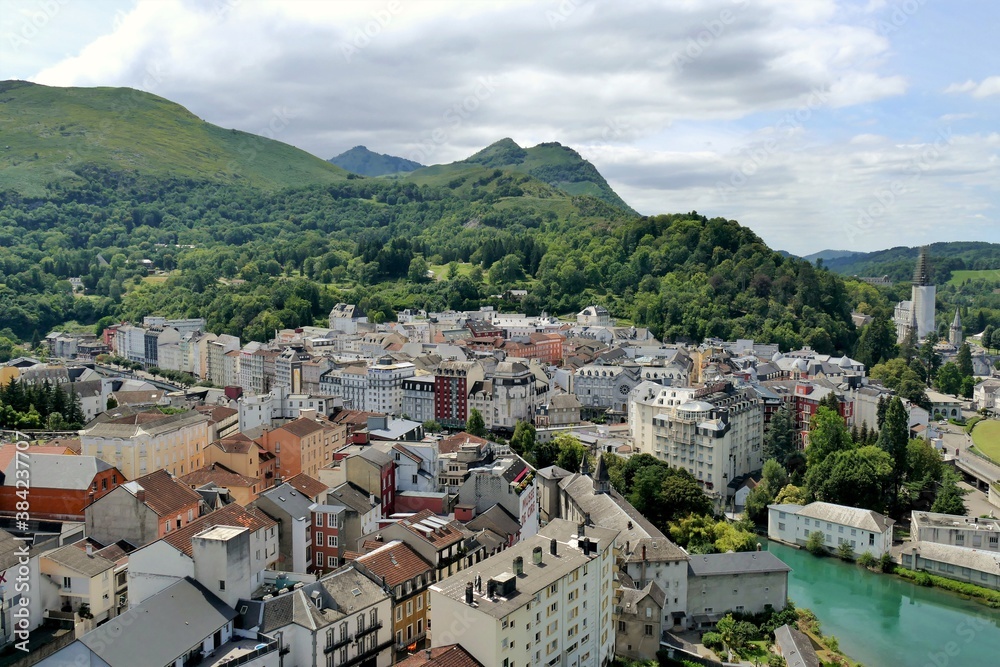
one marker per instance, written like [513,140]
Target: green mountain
[359,160]
[555,164]
[897,263]
[207,208]
[827,255]
[59,135]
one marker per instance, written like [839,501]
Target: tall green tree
[827,434]
[475,424]
[779,440]
[949,379]
[523,440]
[876,343]
[949,499]
[894,439]
[964,360]
[854,477]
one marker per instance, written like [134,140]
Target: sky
[855,125]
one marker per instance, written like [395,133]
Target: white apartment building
[508,395]
[349,383]
[548,600]
[865,530]
[418,397]
[958,531]
[715,433]
[215,365]
[385,386]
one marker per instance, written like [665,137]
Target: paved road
[956,444]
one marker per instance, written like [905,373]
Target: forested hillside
[898,263]
[251,258]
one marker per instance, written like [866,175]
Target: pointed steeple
[921,276]
[602,481]
[955,333]
[585,465]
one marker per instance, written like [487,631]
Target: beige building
[147,441]
[745,582]
[639,612]
[715,433]
[86,581]
[548,600]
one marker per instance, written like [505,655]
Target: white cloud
[724,106]
[985,88]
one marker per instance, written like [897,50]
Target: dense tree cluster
[251,261]
[44,405]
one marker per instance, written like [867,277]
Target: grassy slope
[959,277]
[47,134]
[986,435]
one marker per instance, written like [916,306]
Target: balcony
[343,641]
[241,652]
[368,630]
[370,653]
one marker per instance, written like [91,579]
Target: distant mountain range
[359,160]
[898,263]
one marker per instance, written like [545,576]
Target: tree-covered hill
[250,257]
[54,137]
[898,263]
[359,160]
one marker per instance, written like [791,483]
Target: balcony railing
[368,630]
[373,651]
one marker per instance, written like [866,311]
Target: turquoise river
[883,621]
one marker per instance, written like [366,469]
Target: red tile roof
[440,536]
[453,443]
[395,562]
[230,515]
[220,475]
[307,485]
[165,495]
[452,655]
[235,444]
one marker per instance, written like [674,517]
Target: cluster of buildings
[701,407]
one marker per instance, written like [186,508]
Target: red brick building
[452,381]
[62,485]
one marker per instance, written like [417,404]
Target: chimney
[468,593]
[90,549]
[427,654]
[553,547]
[140,495]
[491,589]
[644,552]
[519,565]
[581,529]
[536,555]
[585,545]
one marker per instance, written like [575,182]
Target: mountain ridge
[50,134]
[364,162]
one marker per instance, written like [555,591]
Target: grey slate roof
[76,559]
[658,549]
[534,579]
[162,628]
[349,495]
[746,562]
[496,519]
[610,510]
[60,471]
[848,516]
[289,499]
[795,647]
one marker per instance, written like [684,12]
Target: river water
[884,621]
